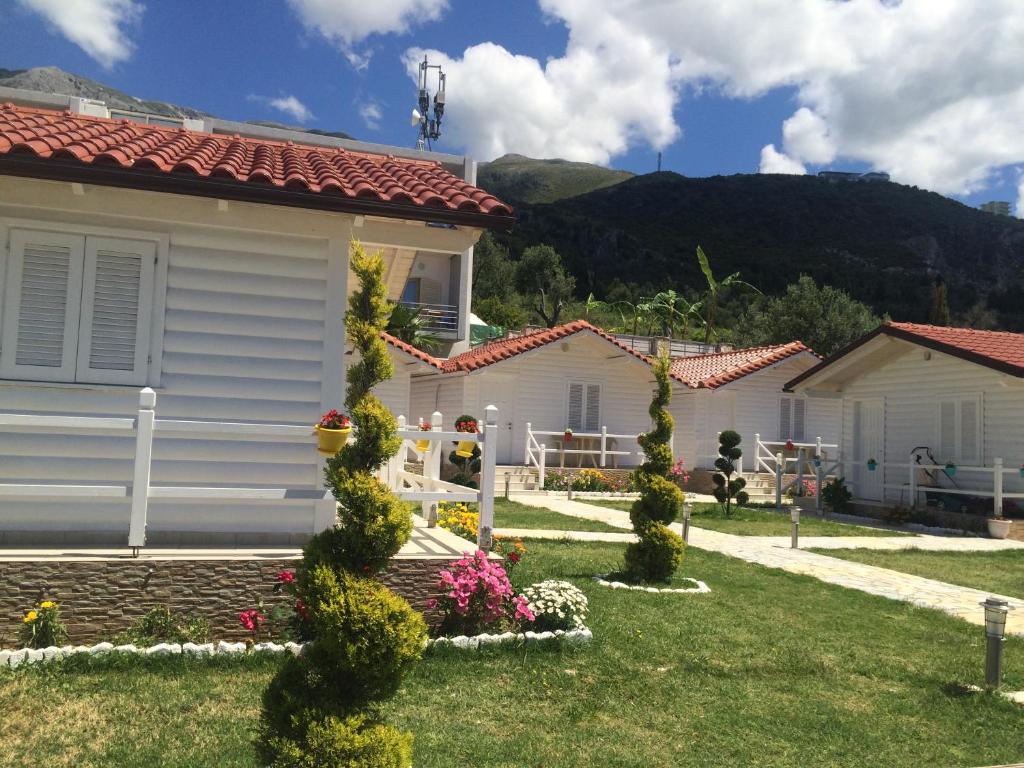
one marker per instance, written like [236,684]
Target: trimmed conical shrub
[323,707]
[659,552]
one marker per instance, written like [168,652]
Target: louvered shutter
[784,419]
[113,345]
[799,405]
[969,453]
[593,410]
[575,409]
[947,431]
[42,297]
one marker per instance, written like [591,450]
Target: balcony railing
[440,318]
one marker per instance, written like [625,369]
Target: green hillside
[519,179]
[881,242]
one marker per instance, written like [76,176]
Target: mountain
[882,242]
[519,179]
[56,80]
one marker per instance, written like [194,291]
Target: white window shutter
[593,408]
[575,410]
[969,418]
[784,419]
[799,405]
[43,293]
[113,345]
[947,431]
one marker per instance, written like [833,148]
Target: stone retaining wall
[99,598]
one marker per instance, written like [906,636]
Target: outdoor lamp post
[687,511]
[794,515]
[995,630]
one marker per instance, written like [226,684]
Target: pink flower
[251,619]
[286,577]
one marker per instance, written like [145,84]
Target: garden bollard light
[995,630]
[794,515]
[687,510]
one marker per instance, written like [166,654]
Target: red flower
[302,610]
[251,619]
[286,577]
[514,558]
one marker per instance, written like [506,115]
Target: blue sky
[715,116]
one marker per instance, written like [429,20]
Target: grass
[771,669]
[748,521]
[999,572]
[512,514]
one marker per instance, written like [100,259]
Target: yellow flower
[30,617]
[47,604]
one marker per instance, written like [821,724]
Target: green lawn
[771,669]
[749,521]
[512,514]
[1000,572]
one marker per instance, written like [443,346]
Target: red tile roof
[714,370]
[496,351]
[317,172]
[1000,350]
[412,351]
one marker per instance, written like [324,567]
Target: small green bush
[161,625]
[657,555]
[348,742]
[836,496]
[726,488]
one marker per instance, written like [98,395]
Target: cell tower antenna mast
[428,128]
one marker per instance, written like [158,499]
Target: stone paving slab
[775,552]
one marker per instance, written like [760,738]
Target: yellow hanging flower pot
[332,432]
[423,445]
[464,449]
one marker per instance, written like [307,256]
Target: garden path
[775,552]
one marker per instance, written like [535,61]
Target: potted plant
[872,465]
[422,445]
[465,447]
[333,430]
[790,445]
[568,435]
[950,468]
[999,526]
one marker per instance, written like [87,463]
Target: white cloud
[371,114]
[347,23]
[290,105]
[95,26]
[928,90]
[773,161]
[1020,198]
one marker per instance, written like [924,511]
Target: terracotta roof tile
[412,351]
[714,370]
[997,346]
[97,141]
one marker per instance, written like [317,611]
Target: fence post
[143,467]
[432,469]
[541,464]
[757,452]
[819,478]
[487,465]
[526,453]
[604,445]
[912,486]
[997,487]
[778,480]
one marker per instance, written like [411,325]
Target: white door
[501,393]
[869,443]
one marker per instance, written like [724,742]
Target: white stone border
[463,642]
[21,656]
[700,588]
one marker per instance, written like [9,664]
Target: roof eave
[228,189]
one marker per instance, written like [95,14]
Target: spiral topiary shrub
[323,708]
[659,552]
[726,488]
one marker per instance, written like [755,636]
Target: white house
[576,376]
[915,398]
[209,262]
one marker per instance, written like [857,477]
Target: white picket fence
[597,447]
[144,426]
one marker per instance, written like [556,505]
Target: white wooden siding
[913,388]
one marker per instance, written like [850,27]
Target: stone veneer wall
[99,598]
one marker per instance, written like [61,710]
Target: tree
[938,313]
[659,551]
[323,707]
[408,324]
[825,318]
[669,309]
[541,275]
[726,489]
[494,271]
[716,289]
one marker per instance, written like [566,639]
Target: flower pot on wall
[999,527]
[331,440]
[422,445]
[464,450]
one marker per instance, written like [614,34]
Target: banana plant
[716,288]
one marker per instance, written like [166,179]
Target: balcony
[437,318]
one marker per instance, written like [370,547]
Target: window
[959,429]
[584,410]
[791,418]
[411,292]
[77,308]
